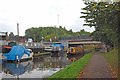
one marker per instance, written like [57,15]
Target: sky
[35,13]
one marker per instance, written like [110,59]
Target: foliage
[112,58]
[73,70]
[104,17]
[51,32]
[11,36]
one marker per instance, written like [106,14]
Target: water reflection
[16,69]
[0,69]
[39,67]
[75,57]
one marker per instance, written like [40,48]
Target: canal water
[40,67]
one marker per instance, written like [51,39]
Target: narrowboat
[75,50]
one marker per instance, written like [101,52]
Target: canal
[40,67]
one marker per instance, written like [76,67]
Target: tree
[104,17]
[11,36]
[49,32]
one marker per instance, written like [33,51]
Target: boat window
[71,49]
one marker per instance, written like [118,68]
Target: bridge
[74,43]
[85,42]
[76,38]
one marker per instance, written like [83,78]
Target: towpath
[97,68]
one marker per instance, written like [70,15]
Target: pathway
[97,68]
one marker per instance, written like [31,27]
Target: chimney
[18,29]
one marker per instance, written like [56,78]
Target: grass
[73,70]
[112,58]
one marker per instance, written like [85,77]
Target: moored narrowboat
[75,50]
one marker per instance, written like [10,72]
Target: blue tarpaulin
[58,45]
[16,52]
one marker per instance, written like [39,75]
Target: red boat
[7,48]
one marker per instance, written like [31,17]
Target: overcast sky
[35,13]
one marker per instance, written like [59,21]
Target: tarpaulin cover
[60,45]
[16,52]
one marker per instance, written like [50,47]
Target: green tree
[50,32]
[104,17]
[11,36]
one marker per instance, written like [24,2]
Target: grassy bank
[73,70]
[112,58]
